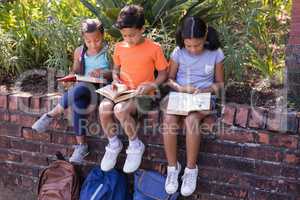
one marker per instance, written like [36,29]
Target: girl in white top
[196,66]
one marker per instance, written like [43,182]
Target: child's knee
[120,112]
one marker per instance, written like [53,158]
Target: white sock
[114,142]
[135,142]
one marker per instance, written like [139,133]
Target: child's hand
[144,89]
[197,91]
[187,89]
[95,73]
[115,84]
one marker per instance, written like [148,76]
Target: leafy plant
[162,17]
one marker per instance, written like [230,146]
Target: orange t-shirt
[137,63]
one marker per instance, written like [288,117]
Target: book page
[183,103]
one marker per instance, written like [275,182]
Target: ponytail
[212,41]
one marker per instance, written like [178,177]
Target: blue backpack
[100,185]
[150,185]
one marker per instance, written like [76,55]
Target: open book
[183,103]
[117,94]
[76,77]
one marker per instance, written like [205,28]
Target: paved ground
[7,194]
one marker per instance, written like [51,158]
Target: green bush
[36,34]
[254,34]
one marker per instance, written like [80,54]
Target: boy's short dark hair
[131,16]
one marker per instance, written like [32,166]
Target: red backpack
[59,181]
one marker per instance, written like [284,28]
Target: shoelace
[172,178]
[189,179]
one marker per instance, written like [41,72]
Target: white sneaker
[109,159]
[171,184]
[134,158]
[42,124]
[189,181]
[79,153]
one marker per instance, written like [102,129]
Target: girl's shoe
[42,124]
[171,184]
[79,153]
[189,181]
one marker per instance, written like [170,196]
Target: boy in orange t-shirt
[135,60]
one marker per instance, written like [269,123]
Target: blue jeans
[79,98]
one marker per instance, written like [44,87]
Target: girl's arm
[219,80]
[76,61]
[172,77]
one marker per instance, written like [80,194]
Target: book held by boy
[183,103]
[117,92]
[76,77]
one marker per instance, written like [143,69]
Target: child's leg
[108,124]
[193,137]
[170,128]
[81,97]
[189,179]
[42,124]
[124,112]
[106,117]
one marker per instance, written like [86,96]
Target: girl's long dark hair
[195,27]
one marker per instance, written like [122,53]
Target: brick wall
[293,56]
[252,153]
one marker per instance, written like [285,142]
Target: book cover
[183,103]
[118,93]
[76,77]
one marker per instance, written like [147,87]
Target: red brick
[35,104]
[29,134]
[291,172]
[28,183]
[49,101]
[241,117]
[292,158]
[4,116]
[283,140]
[10,180]
[274,121]
[292,122]
[60,138]
[8,155]
[4,142]
[22,144]
[19,169]
[228,114]
[3,101]
[257,118]
[262,153]
[222,148]
[264,137]
[10,129]
[23,119]
[34,159]
[267,169]
[52,149]
[241,136]
[12,102]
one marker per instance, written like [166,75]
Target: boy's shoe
[134,158]
[42,124]
[109,159]
[171,184]
[189,181]
[80,151]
